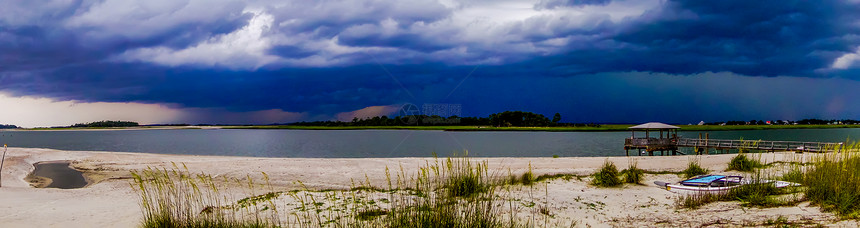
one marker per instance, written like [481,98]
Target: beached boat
[715,184]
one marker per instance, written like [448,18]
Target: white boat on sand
[707,184]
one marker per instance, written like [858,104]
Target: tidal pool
[57,175]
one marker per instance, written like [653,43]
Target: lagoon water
[61,175]
[373,143]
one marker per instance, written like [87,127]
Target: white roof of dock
[653,125]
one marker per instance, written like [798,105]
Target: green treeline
[108,123]
[7,126]
[502,119]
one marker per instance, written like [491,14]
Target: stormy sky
[605,61]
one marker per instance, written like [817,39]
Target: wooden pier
[722,144]
[672,143]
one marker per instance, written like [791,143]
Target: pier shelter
[657,137]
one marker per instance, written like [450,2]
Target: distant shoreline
[114,128]
[602,128]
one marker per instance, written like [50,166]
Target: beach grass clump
[465,178]
[528,178]
[696,200]
[694,169]
[457,193]
[444,193]
[750,195]
[744,164]
[450,193]
[759,195]
[177,199]
[794,175]
[370,214]
[607,176]
[633,175]
[833,181]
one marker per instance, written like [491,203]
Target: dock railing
[641,142]
[759,145]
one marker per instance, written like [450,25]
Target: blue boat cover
[704,179]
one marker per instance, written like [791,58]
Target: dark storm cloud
[329,90]
[60,33]
[550,4]
[326,57]
[761,38]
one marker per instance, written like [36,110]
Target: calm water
[61,175]
[372,143]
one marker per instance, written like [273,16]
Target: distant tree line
[786,122]
[502,119]
[7,126]
[108,123]
[170,125]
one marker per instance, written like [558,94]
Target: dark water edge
[61,174]
[374,143]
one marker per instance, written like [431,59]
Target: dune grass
[446,193]
[607,176]
[633,175]
[453,193]
[744,164]
[759,193]
[750,195]
[175,198]
[694,169]
[528,178]
[833,182]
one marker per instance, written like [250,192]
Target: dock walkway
[703,145]
[722,144]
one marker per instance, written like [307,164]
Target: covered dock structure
[658,137]
[663,138]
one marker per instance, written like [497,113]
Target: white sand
[110,201]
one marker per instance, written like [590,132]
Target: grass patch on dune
[694,169]
[633,175]
[453,192]
[833,182]
[607,176]
[174,198]
[759,192]
[794,175]
[466,178]
[744,164]
[750,195]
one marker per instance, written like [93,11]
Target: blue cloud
[750,38]
[328,57]
[550,4]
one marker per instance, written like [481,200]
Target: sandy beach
[109,201]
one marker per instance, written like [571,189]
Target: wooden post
[2,160]
[707,143]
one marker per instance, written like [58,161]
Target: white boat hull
[683,189]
